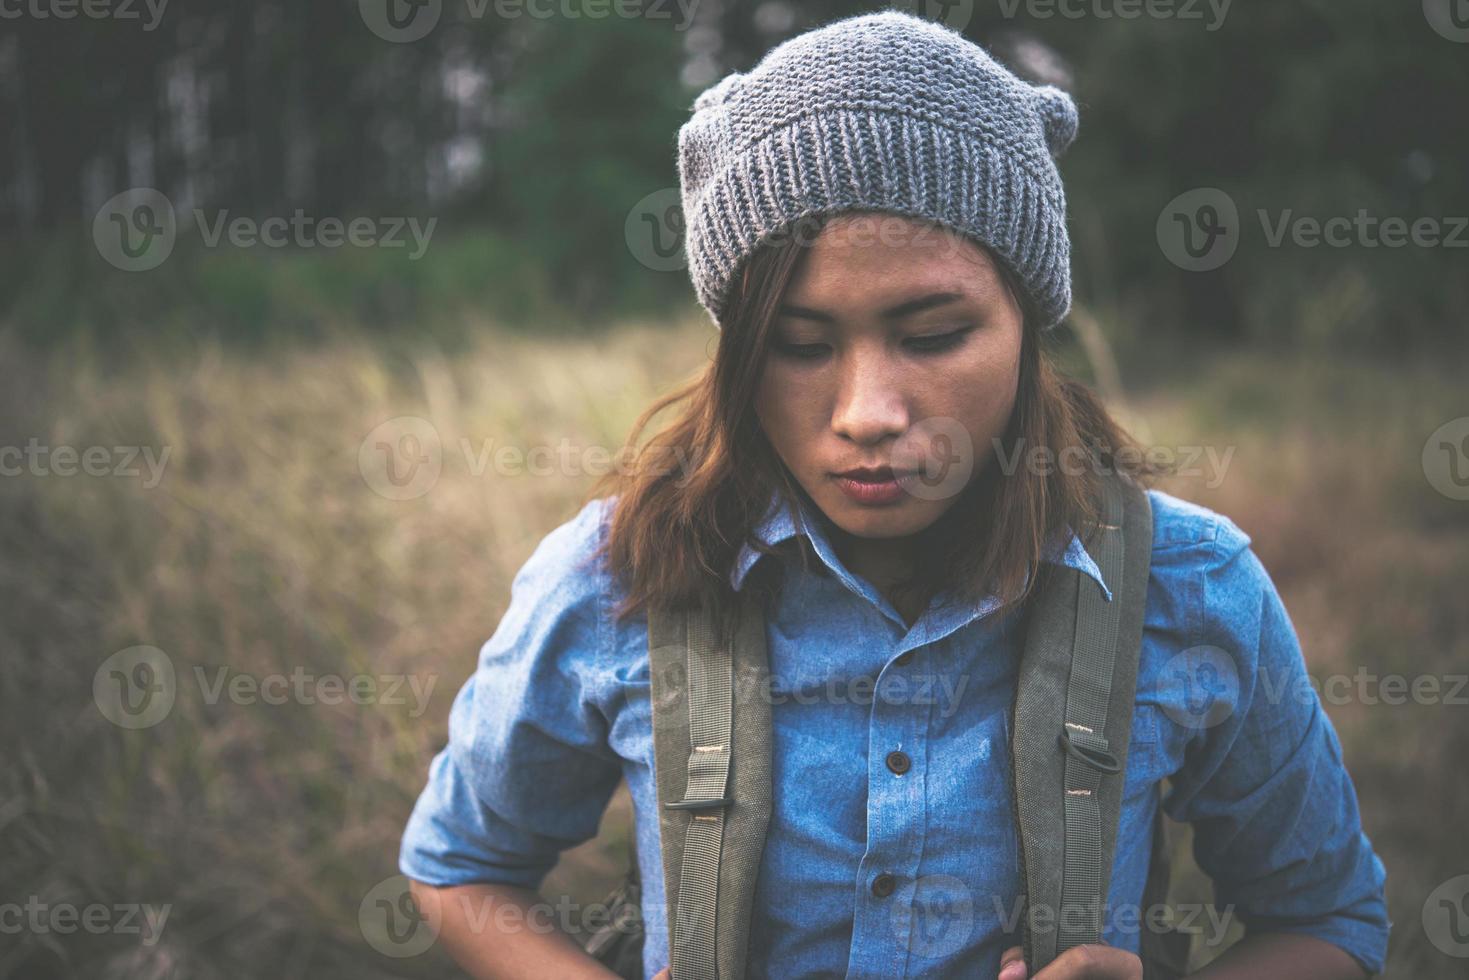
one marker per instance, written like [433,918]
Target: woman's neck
[888,563]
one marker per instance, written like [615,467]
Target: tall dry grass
[264,550]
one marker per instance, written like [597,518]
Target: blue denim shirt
[558,711]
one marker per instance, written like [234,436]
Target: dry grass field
[266,549]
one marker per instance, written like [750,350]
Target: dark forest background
[530,139]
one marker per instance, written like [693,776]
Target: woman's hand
[1079,963]
[1091,962]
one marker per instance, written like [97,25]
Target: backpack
[1072,723]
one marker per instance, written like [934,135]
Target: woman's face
[896,345]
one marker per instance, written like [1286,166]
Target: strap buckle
[1098,756]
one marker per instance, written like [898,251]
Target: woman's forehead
[882,262]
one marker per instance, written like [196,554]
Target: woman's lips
[872,491]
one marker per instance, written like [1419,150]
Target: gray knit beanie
[881,112]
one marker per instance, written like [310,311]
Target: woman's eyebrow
[906,308]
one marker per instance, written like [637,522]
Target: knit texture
[878,112]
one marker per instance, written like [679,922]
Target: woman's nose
[870,403]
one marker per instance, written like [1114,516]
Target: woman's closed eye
[935,342]
[923,343]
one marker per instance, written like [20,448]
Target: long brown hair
[696,490]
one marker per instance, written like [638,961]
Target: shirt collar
[777,526]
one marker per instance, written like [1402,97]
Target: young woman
[882,453]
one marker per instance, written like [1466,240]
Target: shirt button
[899,762]
[904,659]
[883,884]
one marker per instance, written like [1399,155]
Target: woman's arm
[526,774]
[1273,809]
[500,932]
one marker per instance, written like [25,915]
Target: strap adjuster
[715,804]
[1099,757]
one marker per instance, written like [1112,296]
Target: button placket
[896,815]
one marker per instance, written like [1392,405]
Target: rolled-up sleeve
[1275,815]
[527,771]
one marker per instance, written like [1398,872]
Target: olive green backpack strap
[712,761]
[1072,725]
